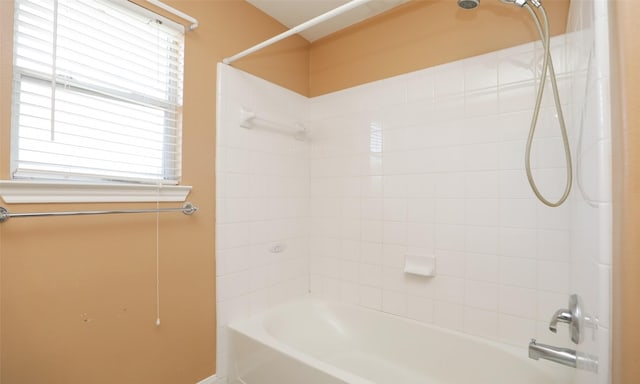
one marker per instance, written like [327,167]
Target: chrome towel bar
[187,209]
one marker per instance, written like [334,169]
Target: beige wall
[77,294]
[626,164]
[421,34]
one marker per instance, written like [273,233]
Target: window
[97,92]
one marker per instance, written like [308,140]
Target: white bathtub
[310,341]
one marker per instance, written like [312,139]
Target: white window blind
[97,92]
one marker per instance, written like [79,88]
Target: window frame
[44,190]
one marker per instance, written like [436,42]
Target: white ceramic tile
[450,237]
[449,289]
[232,235]
[554,276]
[482,185]
[481,212]
[450,185]
[448,315]
[372,231]
[517,242]
[481,239]
[514,184]
[554,245]
[482,267]
[371,186]
[370,275]
[259,278]
[232,285]
[481,104]
[393,279]
[549,152]
[371,297]
[350,229]
[371,253]
[450,211]
[481,295]
[480,128]
[515,126]
[481,323]
[419,308]
[393,256]
[482,157]
[394,303]
[394,186]
[453,159]
[450,263]
[350,249]
[518,213]
[395,140]
[518,302]
[421,235]
[421,186]
[439,134]
[518,272]
[517,98]
[394,163]
[512,155]
[394,232]
[420,286]
[372,209]
[233,260]
[371,164]
[395,209]
[420,210]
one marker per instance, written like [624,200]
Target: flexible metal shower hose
[547,67]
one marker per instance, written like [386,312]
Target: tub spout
[564,356]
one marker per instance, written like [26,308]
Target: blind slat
[118,92]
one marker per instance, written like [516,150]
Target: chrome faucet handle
[572,316]
[562,316]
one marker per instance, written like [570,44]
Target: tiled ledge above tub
[18,192]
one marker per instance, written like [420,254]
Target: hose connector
[536,3]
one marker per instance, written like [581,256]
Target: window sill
[18,192]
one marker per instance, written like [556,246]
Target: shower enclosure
[428,163]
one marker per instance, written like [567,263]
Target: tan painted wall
[421,34]
[77,294]
[626,165]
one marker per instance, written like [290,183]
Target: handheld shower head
[468,4]
[519,3]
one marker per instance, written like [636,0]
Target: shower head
[468,4]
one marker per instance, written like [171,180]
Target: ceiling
[294,12]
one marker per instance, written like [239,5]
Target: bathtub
[311,341]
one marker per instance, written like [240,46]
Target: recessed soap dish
[420,265]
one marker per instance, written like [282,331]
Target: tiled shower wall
[262,205]
[431,163]
[591,244]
